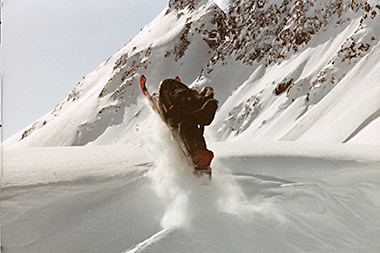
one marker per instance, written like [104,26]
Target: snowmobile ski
[199,164]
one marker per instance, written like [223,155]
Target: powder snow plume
[173,180]
[191,199]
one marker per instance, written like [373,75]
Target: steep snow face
[282,70]
[306,57]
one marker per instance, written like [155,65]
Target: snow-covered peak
[107,100]
[279,69]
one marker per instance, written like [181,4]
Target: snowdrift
[271,197]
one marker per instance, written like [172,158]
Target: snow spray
[185,195]
[171,176]
[188,198]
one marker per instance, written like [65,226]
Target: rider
[189,111]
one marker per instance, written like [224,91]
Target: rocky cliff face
[269,33]
[270,30]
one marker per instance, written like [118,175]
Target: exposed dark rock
[283,86]
[178,5]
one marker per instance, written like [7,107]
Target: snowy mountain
[282,70]
[296,139]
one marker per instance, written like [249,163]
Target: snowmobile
[186,111]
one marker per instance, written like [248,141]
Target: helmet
[207,91]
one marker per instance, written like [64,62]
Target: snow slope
[103,105]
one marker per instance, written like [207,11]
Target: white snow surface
[264,197]
[295,170]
